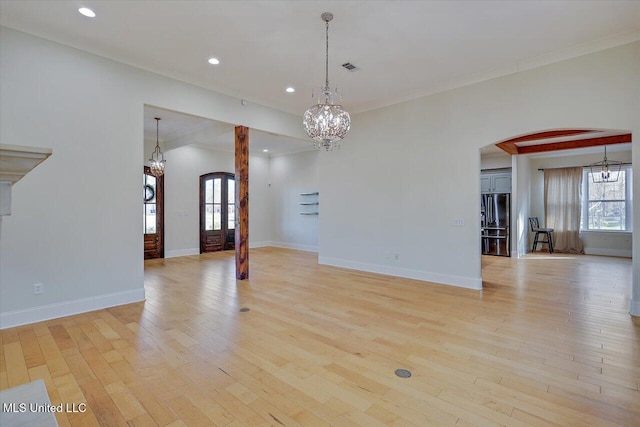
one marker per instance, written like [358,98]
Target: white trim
[626,253]
[444,279]
[634,308]
[68,308]
[182,252]
[285,245]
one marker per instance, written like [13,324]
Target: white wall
[76,219]
[291,175]
[495,161]
[406,171]
[260,201]
[596,243]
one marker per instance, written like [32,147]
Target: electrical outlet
[38,288]
[458,222]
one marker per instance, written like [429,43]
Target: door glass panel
[217,217]
[217,190]
[208,217]
[231,217]
[150,218]
[208,191]
[150,180]
[231,191]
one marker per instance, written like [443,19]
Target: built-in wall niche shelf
[311,203]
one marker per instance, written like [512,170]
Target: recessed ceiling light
[265,151]
[290,89]
[87,12]
[214,61]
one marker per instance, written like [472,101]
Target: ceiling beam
[578,143]
[509,147]
[549,134]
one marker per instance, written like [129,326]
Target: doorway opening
[529,156]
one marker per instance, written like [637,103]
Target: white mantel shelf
[18,160]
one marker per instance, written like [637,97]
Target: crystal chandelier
[606,170]
[157,165]
[326,122]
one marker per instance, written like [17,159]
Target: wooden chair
[535,228]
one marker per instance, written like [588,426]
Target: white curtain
[562,208]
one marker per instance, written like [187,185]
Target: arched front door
[217,212]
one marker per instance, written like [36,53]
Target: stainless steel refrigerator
[495,224]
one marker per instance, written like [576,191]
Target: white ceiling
[404,49]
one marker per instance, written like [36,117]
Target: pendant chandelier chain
[326,62]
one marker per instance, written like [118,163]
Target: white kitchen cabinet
[495,182]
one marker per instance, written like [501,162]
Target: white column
[634,308]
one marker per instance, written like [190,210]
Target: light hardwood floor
[549,341]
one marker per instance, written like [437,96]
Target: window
[607,206]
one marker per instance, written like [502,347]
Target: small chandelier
[326,122]
[606,170]
[157,165]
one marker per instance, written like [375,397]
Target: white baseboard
[252,245]
[444,279]
[182,252]
[263,244]
[306,248]
[634,308]
[69,308]
[626,253]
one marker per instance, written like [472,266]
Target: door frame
[224,230]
